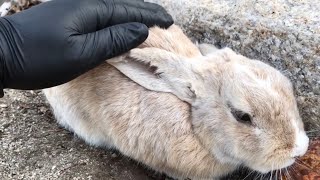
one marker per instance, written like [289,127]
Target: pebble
[43,109]
[114,155]
[3,105]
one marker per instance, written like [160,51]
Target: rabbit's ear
[158,70]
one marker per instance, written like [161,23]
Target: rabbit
[186,110]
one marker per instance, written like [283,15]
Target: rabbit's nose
[301,144]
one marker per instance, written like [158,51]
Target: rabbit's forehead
[271,103]
[262,82]
[274,112]
[269,100]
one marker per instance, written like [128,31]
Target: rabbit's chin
[265,169]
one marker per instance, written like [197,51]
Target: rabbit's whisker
[294,169]
[314,130]
[288,173]
[301,163]
[248,175]
[271,172]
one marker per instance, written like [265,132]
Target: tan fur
[161,39]
[185,127]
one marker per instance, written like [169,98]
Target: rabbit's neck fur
[204,124]
[207,100]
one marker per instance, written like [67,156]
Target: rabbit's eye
[242,116]
[239,115]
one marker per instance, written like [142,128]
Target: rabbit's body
[153,128]
[184,133]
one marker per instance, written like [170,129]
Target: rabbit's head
[243,111]
[255,120]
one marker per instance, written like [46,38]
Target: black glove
[55,42]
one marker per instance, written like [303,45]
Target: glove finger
[148,17]
[99,46]
[141,5]
[106,13]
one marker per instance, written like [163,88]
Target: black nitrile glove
[55,42]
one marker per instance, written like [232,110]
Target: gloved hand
[54,42]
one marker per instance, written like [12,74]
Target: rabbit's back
[110,103]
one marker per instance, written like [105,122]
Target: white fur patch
[257,131]
[301,142]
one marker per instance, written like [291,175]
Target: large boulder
[282,33]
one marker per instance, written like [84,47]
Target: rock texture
[282,33]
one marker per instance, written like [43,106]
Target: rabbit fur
[190,111]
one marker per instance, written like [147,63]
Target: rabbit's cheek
[223,157]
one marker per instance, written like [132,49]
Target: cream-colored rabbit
[183,112]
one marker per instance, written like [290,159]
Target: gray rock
[282,33]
